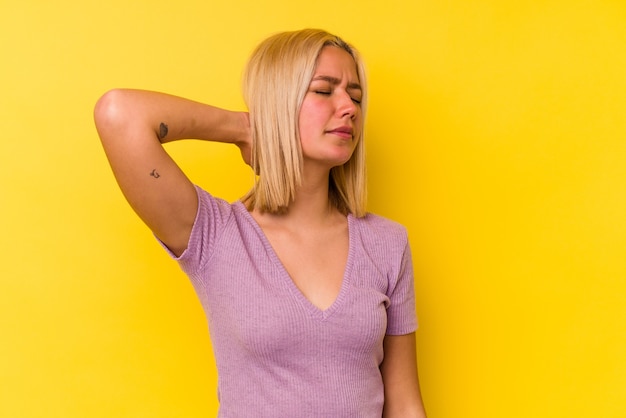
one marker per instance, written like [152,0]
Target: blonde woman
[309,299]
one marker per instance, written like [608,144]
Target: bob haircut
[275,81]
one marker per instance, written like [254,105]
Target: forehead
[336,62]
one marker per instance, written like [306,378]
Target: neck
[311,207]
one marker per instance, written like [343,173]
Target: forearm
[169,118]
[399,372]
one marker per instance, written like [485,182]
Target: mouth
[344,132]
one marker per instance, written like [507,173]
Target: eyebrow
[335,81]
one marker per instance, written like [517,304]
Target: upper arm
[154,185]
[399,372]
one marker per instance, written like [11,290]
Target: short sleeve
[212,215]
[401,315]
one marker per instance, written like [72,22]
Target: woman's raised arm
[133,125]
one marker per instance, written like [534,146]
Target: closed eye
[328,93]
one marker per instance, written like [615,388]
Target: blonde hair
[275,82]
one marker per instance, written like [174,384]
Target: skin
[310,238]
[330,116]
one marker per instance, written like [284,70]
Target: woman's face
[330,117]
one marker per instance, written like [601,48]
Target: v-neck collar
[311,308]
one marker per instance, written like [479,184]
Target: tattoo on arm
[162,130]
[155,174]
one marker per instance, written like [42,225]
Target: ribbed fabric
[277,354]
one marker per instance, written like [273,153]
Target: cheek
[304,127]
[310,120]
[358,125]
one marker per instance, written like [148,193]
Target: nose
[346,106]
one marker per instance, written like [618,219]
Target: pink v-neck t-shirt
[277,354]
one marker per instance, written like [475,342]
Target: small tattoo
[162,130]
[155,174]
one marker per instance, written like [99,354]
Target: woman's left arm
[399,372]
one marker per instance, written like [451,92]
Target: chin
[340,162]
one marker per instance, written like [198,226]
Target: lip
[342,132]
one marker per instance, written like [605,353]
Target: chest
[257,303]
[260,310]
[316,263]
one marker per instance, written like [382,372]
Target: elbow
[110,110]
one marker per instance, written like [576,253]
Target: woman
[309,299]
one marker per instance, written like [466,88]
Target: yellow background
[497,135]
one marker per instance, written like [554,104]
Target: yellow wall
[497,135]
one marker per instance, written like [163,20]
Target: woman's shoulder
[380,228]
[207,198]
[216,210]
